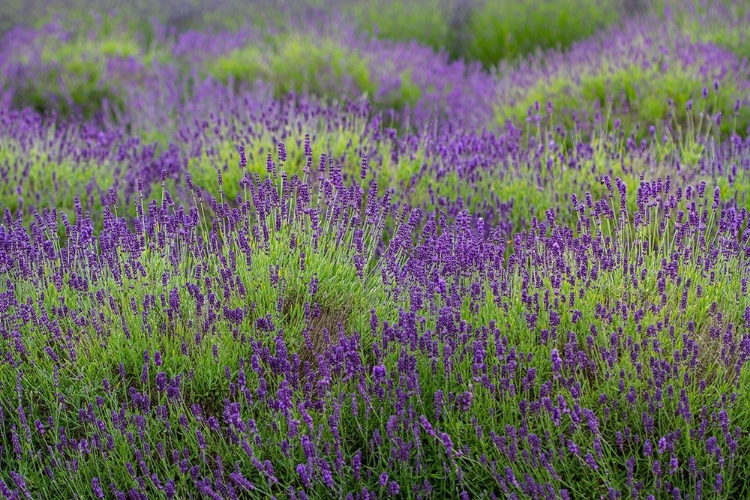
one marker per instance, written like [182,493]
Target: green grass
[343,143]
[296,64]
[502,30]
[426,21]
[482,30]
[223,155]
[123,326]
[46,182]
[537,341]
[493,322]
[80,329]
[509,191]
[42,174]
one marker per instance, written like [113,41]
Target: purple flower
[383,479]
[590,461]
[393,488]
[673,465]
[719,483]
[161,381]
[97,487]
[304,475]
[662,447]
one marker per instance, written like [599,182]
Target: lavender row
[646,72]
[234,354]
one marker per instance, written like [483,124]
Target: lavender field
[364,249]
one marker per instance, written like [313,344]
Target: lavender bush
[74,71]
[645,74]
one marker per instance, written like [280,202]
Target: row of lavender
[291,345]
[505,176]
[645,71]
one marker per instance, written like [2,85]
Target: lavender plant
[71,72]
[643,75]
[410,80]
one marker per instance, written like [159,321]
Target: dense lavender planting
[646,74]
[248,259]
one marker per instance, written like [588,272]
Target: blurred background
[482,62]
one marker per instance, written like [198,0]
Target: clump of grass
[342,133]
[341,147]
[35,181]
[62,167]
[488,31]
[555,311]
[409,83]
[632,315]
[206,293]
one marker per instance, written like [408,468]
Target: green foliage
[506,29]
[725,23]
[426,21]
[321,66]
[535,346]
[298,64]
[342,146]
[41,174]
[75,326]
[484,30]
[275,276]
[510,191]
[734,36]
